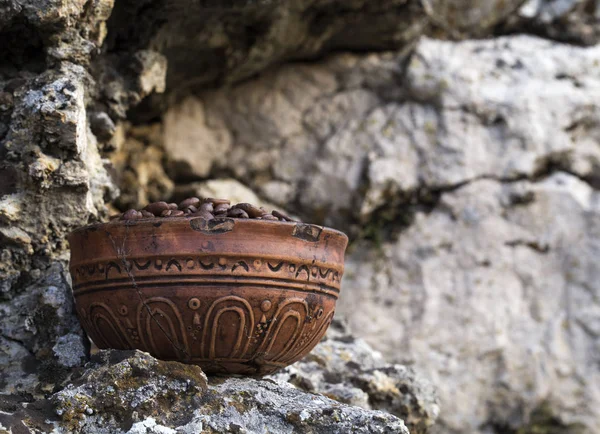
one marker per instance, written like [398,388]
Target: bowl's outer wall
[233,296]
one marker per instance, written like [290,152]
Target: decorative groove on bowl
[203,265]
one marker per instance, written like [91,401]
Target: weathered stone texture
[131,392]
[466,172]
[483,157]
[52,179]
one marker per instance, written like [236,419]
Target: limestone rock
[348,370]
[481,287]
[575,21]
[40,339]
[118,383]
[131,392]
[52,179]
[339,139]
[138,162]
[494,296]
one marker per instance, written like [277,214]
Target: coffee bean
[208,209]
[237,213]
[207,206]
[131,215]
[281,216]
[203,214]
[157,208]
[250,209]
[217,201]
[221,208]
[190,201]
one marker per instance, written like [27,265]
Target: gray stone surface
[131,392]
[52,179]
[348,370]
[207,43]
[493,295]
[40,337]
[467,172]
[575,21]
[371,130]
[483,157]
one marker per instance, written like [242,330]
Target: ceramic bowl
[235,296]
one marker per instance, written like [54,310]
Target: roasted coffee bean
[237,213]
[281,216]
[207,206]
[157,208]
[250,209]
[221,208]
[208,209]
[217,201]
[203,214]
[190,201]
[131,215]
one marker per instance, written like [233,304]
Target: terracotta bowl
[233,296]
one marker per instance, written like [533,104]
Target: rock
[102,126]
[125,80]
[493,295]
[373,132]
[481,156]
[574,21]
[348,370]
[286,409]
[214,43]
[52,179]
[395,154]
[138,165]
[117,384]
[40,339]
[131,392]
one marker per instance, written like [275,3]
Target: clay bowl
[234,296]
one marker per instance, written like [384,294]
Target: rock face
[131,392]
[348,370]
[466,172]
[575,21]
[483,157]
[215,42]
[374,131]
[41,337]
[52,179]
[493,294]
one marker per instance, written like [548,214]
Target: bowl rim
[244,222]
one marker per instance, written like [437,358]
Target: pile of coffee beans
[208,209]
